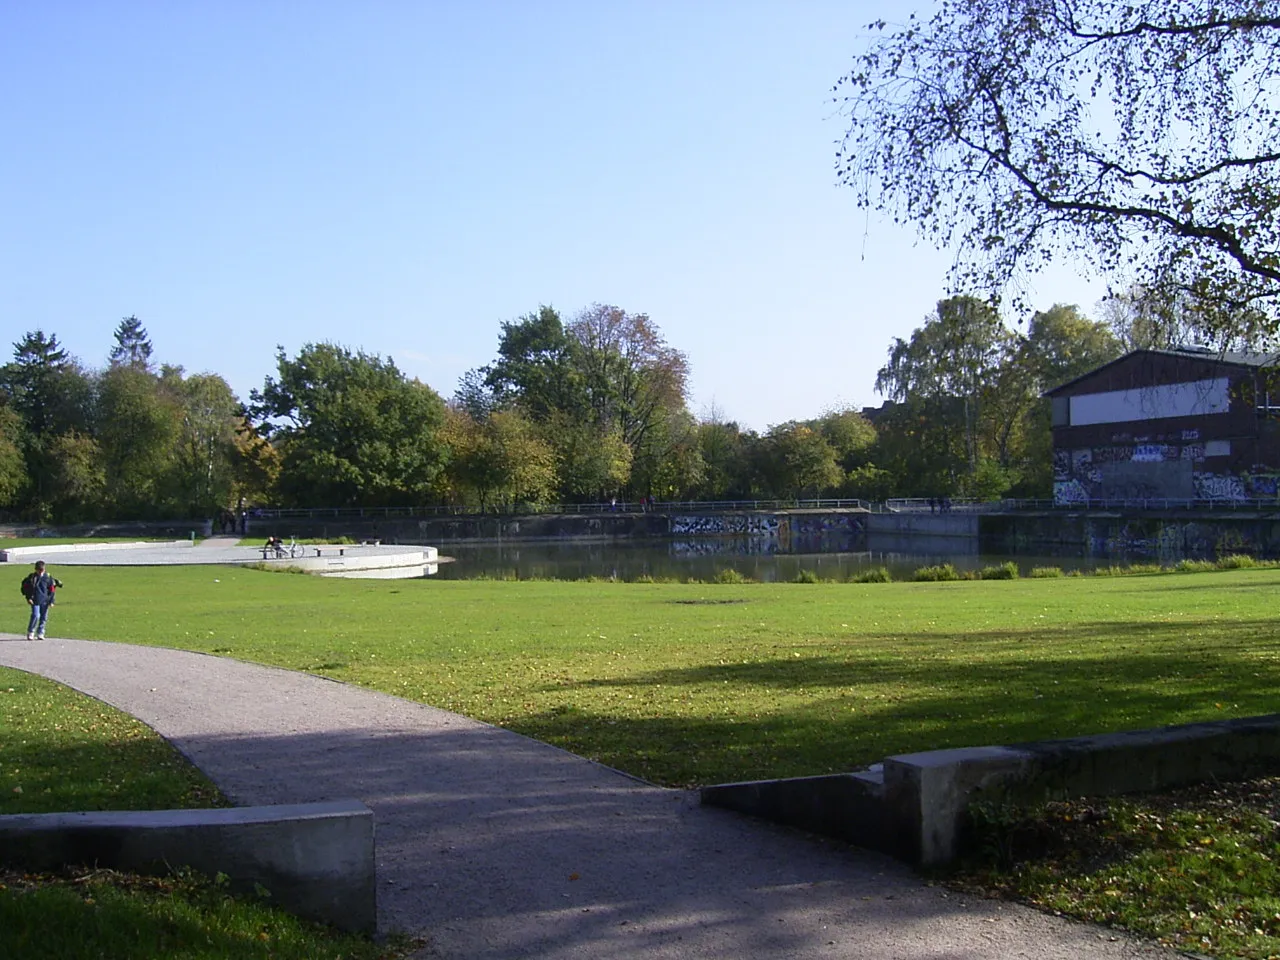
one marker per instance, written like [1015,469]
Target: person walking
[38,588]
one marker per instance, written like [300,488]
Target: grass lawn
[693,684]
[60,750]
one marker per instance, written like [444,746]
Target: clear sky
[403,176]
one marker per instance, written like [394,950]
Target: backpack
[29,585]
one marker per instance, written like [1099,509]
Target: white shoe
[31,636]
[39,636]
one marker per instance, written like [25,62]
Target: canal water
[701,559]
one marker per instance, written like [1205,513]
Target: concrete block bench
[315,859]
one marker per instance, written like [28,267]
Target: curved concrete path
[496,846]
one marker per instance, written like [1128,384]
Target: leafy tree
[351,429]
[46,386]
[52,395]
[1140,136]
[132,347]
[798,461]
[944,372]
[870,482]
[474,395]
[727,459]
[498,460]
[13,466]
[633,379]
[592,461]
[668,463]
[609,376]
[256,464]
[850,435]
[205,453]
[1062,344]
[137,431]
[536,367]
[76,481]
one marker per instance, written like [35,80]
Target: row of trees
[574,411]
[129,440]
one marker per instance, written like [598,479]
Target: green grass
[60,750]
[91,914]
[693,684]
[701,683]
[1197,869]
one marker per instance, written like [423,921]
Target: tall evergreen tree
[132,347]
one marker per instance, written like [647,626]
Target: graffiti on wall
[1098,473]
[823,532]
[725,525]
[1261,485]
[1069,492]
[1213,486]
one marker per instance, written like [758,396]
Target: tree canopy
[351,427]
[1140,136]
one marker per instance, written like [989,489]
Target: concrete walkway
[496,846]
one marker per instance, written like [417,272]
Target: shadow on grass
[799,715]
[38,777]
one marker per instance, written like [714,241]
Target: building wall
[1158,427]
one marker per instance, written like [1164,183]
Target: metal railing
[918,505]
[618,506]
[895,505]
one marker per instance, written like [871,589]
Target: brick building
[1185,424]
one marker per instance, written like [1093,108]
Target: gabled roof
[1254,360]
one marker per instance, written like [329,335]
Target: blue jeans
[39,614]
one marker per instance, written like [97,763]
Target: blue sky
[403,176]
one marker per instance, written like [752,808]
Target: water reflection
[702,559]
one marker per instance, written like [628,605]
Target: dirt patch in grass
[709,603]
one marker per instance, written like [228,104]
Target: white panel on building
[1193,399]
[1217,448]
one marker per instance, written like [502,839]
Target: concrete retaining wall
[943,534]
[791,529]
[35,553]
[915,806]
[333,559]
[315,859]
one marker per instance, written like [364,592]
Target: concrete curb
[915,806]
[314,859]
[23,553]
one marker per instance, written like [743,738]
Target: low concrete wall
[915,806]
[1166,536]
[315,859]
[944,534]
[848,806]
[335,559]
[35,553]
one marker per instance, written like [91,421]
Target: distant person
[38,588]
[275,544]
